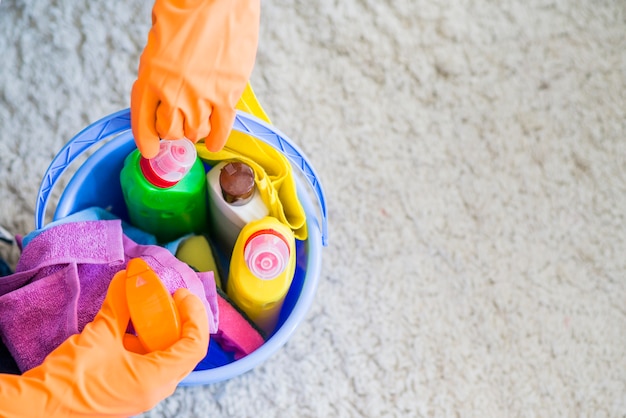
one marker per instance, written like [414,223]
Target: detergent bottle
[152,309]
[166,195]
[262,267]
[234,201]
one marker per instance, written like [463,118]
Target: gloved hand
[193,70]
[102,371]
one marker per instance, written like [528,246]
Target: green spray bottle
[166,195]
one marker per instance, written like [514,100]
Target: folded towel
[273,176]
[62,277]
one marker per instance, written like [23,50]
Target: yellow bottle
[261,270]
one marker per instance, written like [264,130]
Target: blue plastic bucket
[96,183]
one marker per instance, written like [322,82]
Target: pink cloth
[61,280]
[236,333]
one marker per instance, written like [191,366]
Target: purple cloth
[62,278]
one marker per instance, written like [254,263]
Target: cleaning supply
[261,270]
[193,70]
[61,279]
[197,251]
[99,373]
[166,195]
[273,175]
[236,333]
[234,201]
[152,308]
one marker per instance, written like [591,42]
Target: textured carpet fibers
[474,161]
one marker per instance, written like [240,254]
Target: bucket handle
[119,122]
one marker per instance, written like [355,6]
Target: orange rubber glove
[193,71]
[102,371]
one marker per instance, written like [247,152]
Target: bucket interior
[96,183]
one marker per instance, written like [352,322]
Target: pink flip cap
[266,255]
[174,160]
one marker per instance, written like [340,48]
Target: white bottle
[234,201]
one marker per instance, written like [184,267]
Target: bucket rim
[119,122]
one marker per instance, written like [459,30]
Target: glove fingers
[197,123]
[143,105]
[179,360]
[221,123]
[194,321]
[163,370]
[180,294]
[169,122]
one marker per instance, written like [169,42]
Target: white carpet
[474,161]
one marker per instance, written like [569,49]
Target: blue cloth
[5,270]
[98,214]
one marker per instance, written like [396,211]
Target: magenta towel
[61,280]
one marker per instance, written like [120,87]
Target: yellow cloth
[250,104]
[273,176]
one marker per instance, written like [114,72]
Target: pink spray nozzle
[266,254]
[174,160]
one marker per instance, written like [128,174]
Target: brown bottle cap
[237,183]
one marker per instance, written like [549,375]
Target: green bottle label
[167,213]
